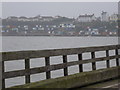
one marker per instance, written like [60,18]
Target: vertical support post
[2,81]
[65,69]
[93,63]
[107,61]
[80,66]
[117,59]
[47,63]
[27,67]
[1,74]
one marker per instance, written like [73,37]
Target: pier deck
[115,83]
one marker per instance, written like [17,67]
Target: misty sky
[68,9]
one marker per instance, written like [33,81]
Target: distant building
[86,18]
[67,24]
[114,17]
[33,19]
[57,16]
[105,17]
[47,18]
[22,18]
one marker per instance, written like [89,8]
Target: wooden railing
[27,55]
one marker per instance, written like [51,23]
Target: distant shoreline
[62,35]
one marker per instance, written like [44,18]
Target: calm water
[40,43]
[37,43]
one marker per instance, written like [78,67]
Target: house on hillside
[22,18]
[113,17]
[47,18]
[86,18]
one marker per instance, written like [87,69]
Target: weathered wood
[47,63]
[2,80]
[3,70]
[107,61]
[76,80]
[17,55]
[1,74]
[80,66]
[117,59]
[93,63]
[27,67]
[65,69]
[54,67]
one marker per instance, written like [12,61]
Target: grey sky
[68,9]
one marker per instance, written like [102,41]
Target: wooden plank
[80,66]
[0,73]
[27,67]
[107,61]
[17,55]
[66,68]
[3,70]
[93,63]
[47,63]
[117,59]
[54,67]
[76,80]
[2,80]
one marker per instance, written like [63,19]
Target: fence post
[107,61]
[65,69]
[27,67]
[80,66]
[93,63]
[2,81]
[47,63]
[117,59]
[0,73]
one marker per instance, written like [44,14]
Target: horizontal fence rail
[55,52]
[27,55]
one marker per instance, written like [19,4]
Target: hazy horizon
[67,9]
